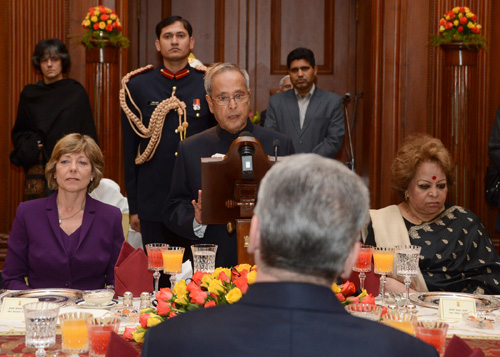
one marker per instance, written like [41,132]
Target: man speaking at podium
[228,96]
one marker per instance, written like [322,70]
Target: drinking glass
[383,259]
[366,311]
[204,257]
[41,321]
[402,321]
[155,261]
[172,262]
[99,333]
[363,264]
[432,332]
[407,265]
[74,332]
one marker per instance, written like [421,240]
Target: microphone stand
[350,151]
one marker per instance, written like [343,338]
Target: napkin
[117,346]
[131,271]
[459,348]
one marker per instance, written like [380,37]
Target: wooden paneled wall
[377,49]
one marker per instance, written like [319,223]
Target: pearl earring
[406,195]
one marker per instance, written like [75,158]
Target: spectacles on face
[225,100]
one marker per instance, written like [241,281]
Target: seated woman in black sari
[457,254]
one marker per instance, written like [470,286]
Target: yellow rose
[456,10]
[468,14]
[205,281]
[180,288]
[479,26]
[455,23]
[217,271]
[215,287]
[441,29]
[154,320]
[102,25]
[96,12]
[233,295]
[242,267]
[93,18]
[251,277]
[112,16]
[446,17]
[138,335]
[181,300]
[335,288]
[467,9]
[470,25]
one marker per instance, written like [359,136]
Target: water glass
[74,332]
[407,257]
[204,257]
[432,332]
[99,333]
[41,321]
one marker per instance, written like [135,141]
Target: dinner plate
[59,296]
[84,305]
[431,299]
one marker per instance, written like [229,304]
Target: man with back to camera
[304,235]
[313,118]
[148,181]
[228,94]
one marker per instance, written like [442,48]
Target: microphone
[347,96]
[276,145]
[246,153]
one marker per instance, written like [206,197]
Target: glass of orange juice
[402,321]
[74,332]
[383,260]
[172,262]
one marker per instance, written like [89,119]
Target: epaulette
[197,65]
[138,71]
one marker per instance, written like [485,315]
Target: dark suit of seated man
[304,234]
[228,98]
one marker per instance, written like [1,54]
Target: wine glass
[172,262]
[155,261]
[407,265]
[41,321]
[383,259]
[363,264]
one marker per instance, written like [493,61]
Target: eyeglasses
[238,98]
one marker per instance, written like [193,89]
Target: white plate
[84,305]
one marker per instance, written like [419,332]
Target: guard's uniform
[148,184]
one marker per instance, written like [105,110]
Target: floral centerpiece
[346,294]
[103,28]
[204,290]
[459,25]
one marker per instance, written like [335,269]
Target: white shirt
[303,103]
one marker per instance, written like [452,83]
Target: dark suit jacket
[323,129]
[280,319]
[37,250]
[178,212]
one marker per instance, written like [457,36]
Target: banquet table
[12,333]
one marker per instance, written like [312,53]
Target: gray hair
[282,80]
[311,210]
[217,68]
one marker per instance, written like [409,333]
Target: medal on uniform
[196,104]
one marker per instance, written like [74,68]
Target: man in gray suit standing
[311,117]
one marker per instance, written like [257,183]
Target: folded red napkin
[131,271]
[118,347]
[459,348]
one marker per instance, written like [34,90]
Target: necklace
[74,214]
[407,207]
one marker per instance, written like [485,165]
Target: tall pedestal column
[457,128]
[103,85]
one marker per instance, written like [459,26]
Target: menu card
[453,308]
[12,308]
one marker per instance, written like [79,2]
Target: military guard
[161,107]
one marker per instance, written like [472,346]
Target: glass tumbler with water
[204,257]
[41,321]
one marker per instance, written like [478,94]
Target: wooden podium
[229,187]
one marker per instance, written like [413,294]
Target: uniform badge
[196,104]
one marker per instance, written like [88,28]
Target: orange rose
[210,303]
[463,20]
[163,307]
[164,294]
[143,320]
[127,334]
[109,28]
